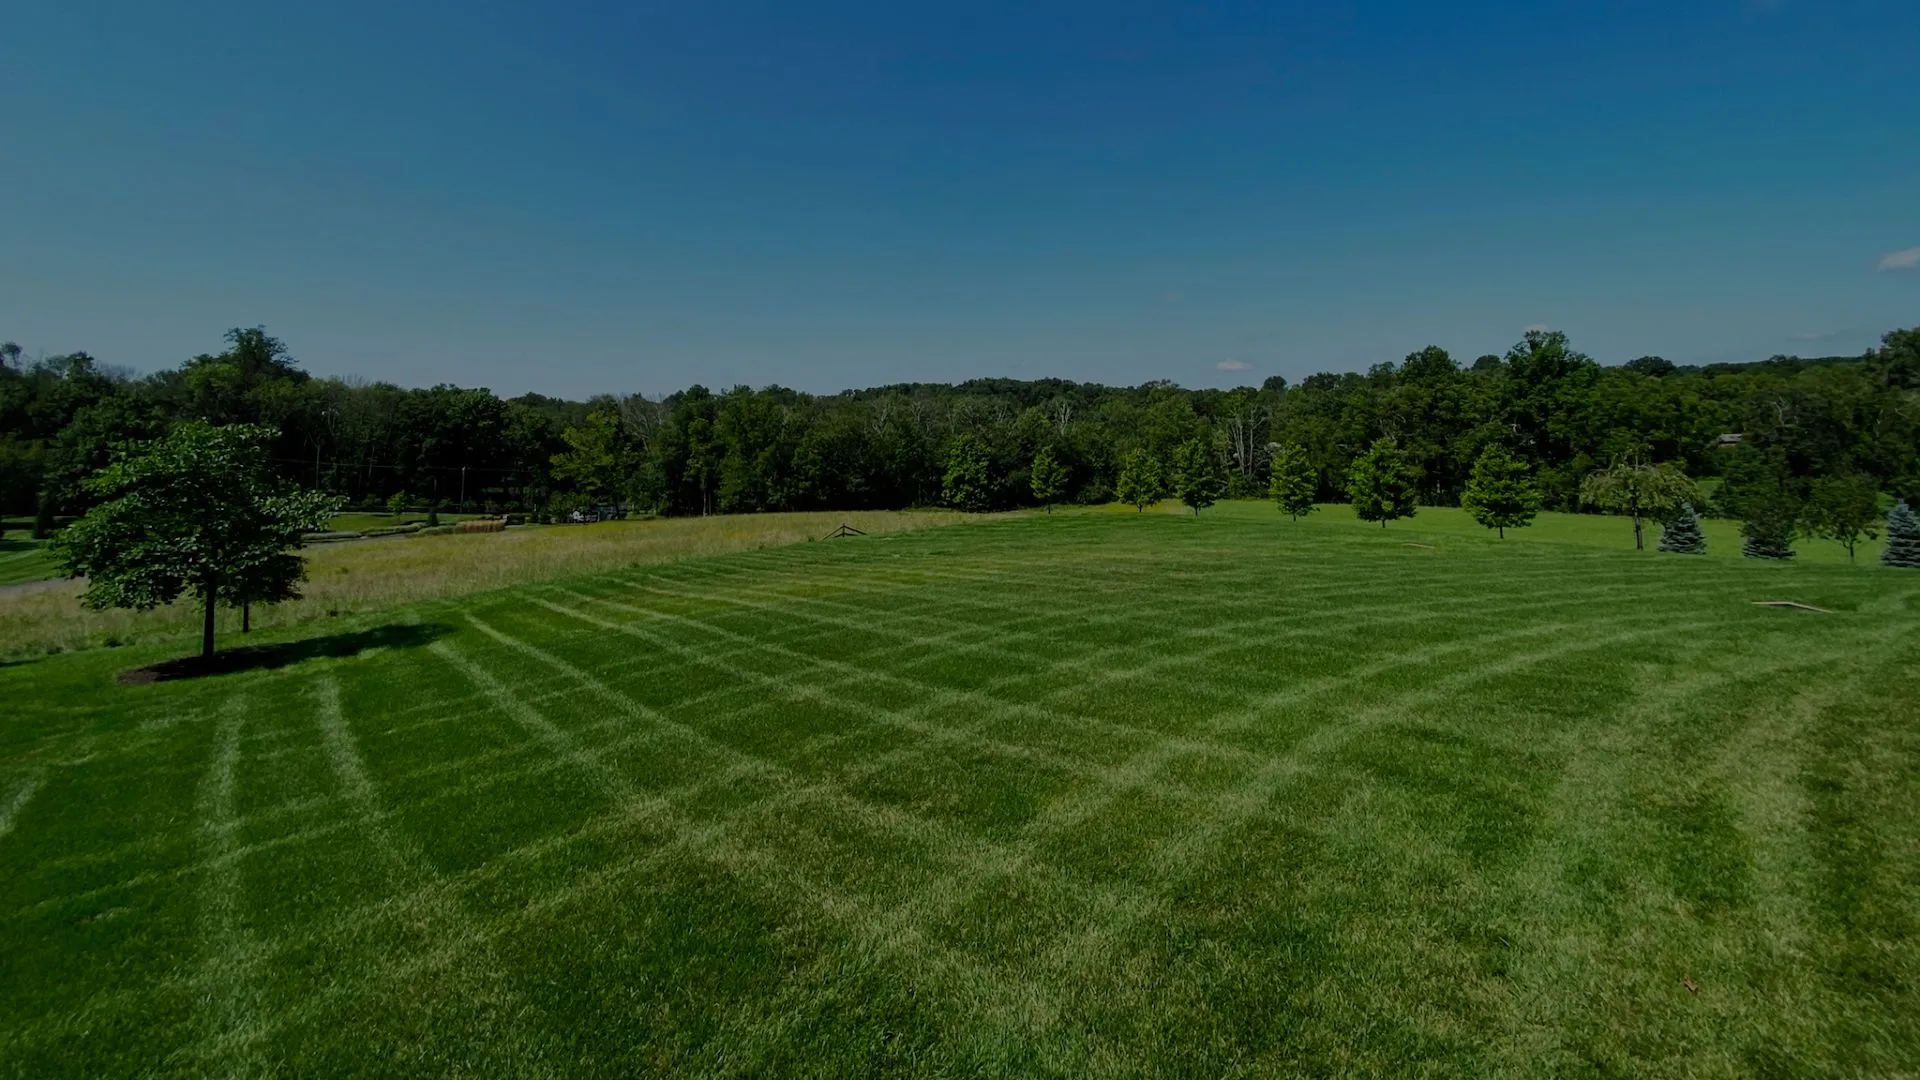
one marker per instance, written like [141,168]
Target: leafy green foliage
[1048,478]
[1844,509]
[746,450]
[968,483]
[1198,479]
[1142,481]
[598,461]
[1381,483]
[1639,490]
[1681,534]
[197,511]
[1500,492]
[1292,481]
[1903,538]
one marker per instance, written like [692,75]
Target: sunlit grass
[1077,796]
[364,575]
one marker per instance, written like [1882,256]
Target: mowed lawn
[1081,795]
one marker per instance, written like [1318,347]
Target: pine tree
[1381,483]
[1292,483]
[1500,494]
[1768,532]
[1139,485]
[1049,477]
[1903,538]
[1197,477]
[1682,534]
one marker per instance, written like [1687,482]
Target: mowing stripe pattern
[1068,796]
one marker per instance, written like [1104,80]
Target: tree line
[1783,437]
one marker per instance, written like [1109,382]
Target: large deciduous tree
[1292,481]
[1638,490]
[1198,478]
[1382,483]
[197,511]
[1500,491]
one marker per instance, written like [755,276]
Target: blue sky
[632,197]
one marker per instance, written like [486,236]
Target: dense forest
[1771,427]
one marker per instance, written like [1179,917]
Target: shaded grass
[1085,795]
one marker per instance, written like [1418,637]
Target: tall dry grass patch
[368,575]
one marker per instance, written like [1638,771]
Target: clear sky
[619,196]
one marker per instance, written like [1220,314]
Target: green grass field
[23,560]
[1094,794]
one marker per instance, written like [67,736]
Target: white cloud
[1234,365]
[1908,259]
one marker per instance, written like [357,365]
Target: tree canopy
[196,511]
[1382,483]
[1766,427]
[1638,490]
[1500,493]
[1048,478]
[1292,483]
[1198,478]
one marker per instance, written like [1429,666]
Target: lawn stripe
[10,810]
[229,996]
[556,740]
[1585,812]
[1065,962]
[1022,1000]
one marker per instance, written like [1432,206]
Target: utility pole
[463,488]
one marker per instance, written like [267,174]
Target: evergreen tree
[1903,538]
[1292,483]
[966,485]
[1197,477]
[1049,477]
[1682,534]
[1768,530]
[1500,493]
[1382,483]
[1139,485]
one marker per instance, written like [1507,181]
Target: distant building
[1727,441]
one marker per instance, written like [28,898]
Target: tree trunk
[246,616]
[206,626]
[1638,543]
[1502,530]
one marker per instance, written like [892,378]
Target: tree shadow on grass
[267,657]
